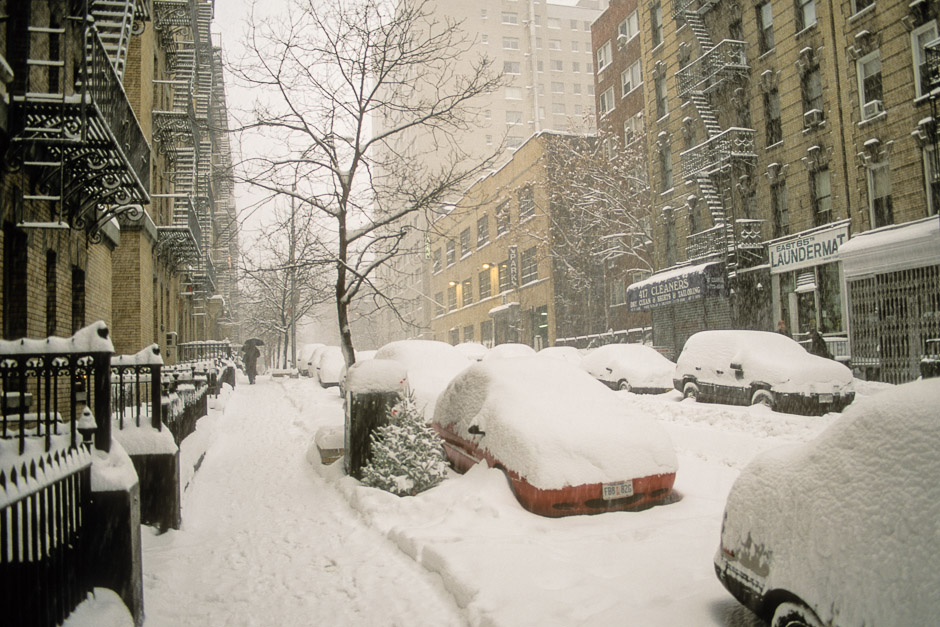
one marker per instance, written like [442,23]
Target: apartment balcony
[713,242]
[724,61]
[718,151]
[182,238]
[748,234]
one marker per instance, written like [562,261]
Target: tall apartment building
[544,51]
[106,196]
[778,133]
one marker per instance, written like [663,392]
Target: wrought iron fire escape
[711,163]
[181,132]
[72,126]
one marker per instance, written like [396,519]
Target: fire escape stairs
[697,23]
[706,113]
[114,21]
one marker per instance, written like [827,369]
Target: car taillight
[727,552]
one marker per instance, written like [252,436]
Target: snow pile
[566,353]
[768,357]
[504,351]
[475,351]
[149,356]
[92,339]
[640,365]
[553,423]
[143,440]
[113,470]
[863,499]
[376,375]
[103,608]
[430,364]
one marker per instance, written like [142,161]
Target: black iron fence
[190,352]
[136,391]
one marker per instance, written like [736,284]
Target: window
[513,93]
[618,291]
[822,196]
[765,26]
[665,169]
[486,333]
[554,44]
[805,13]
[656,23]
[670,238]
[526,203]
[510,17]
[452,297]
[662,107]
[781,214]
[482,14]
[553,22]
[439,304]
[512,141]
[811,86]
[451,253]
[468,333]
[514,117]
[590,89]
[512,67]
[511,43]
[539,67]
[773,128]
[538,43]
[502,218]
[920,37]
[14,282]
[557,65]
[932,178]
[504,276]
[483,231]
[575,66]
[466,292]
[529,267]
[573,24]
[78,299]
[558,108]
[869,85]
[453,336]
[465,243]
[574,47]
[558,87]
[51,292]
[576,89]
[879,183]
[484,38]
[436,266]
[630,78]
[603,56]
[633,129]
[486,284]
[606,103]
[862,4]
[630,27]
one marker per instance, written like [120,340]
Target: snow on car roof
[511,349]
[554,424]
[863,498]
[431,365]
[376,375]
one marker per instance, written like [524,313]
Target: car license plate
[825,398]
[617,490]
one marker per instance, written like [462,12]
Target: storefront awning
[679,285]
[892,248]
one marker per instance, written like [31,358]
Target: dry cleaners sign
[697,282]
[806,251]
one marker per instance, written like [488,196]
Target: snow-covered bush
[407,456]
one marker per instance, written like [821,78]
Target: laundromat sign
[806,251]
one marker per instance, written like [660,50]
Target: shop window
[466,292]
[51,291]
[14,282]
[529,266]
[879,185]
[781,213]
[822,196]
[773,128]
[486,284]
[830,298]
[765,26]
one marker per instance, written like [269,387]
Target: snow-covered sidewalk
[266,541]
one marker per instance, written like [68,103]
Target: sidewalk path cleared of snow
[266,541]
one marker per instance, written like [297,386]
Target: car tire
[791,614]
[763,397]
[690,390]
[623,385]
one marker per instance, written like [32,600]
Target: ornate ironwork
[710,155]
[724,61]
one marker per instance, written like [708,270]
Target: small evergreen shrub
[407,455]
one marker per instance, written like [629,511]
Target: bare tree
[324,72]
[600,213]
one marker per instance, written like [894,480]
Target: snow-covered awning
[495,311]
[892,248]
[678,285]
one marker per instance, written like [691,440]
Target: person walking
[251,361]
[782,329]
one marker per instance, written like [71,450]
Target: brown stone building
[778,131]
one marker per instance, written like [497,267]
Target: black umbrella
[253,341]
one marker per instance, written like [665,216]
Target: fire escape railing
[712,154]
[726,59]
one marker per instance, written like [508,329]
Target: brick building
[107,194]
[777,132]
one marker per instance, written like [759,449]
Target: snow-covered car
[509,350]
[360,356]
[329,366]
[751,367]
[569,354]
[634,367]
[304,359]
[474,351]
[842,531]
[430,365]
[567,444]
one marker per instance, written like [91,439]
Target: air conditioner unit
[873,108]
[171,339]
[812,118]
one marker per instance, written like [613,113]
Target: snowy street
[270,539]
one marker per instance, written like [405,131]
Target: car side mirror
[738,370]
[736,366]
[475,430]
